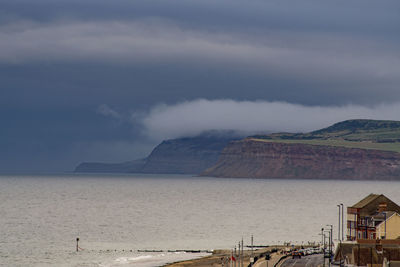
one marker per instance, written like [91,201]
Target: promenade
[268,263]
[219,259]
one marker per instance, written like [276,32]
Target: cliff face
[189,155]
[185,155]
[261,159]
[336,152]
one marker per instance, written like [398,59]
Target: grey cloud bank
[72,71]
[306,55]
[194,117]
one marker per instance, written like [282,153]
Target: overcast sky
[100,80]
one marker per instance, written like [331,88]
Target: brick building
[365,215]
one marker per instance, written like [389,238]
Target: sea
[120,218]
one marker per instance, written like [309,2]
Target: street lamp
[330,241]
[340,238]
[323,245]
[338,234]
[385,223]
[328,247]
[252,255]
[341,204]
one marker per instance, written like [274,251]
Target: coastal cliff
[185,155]
[352,149]
[190,155]
[252,158]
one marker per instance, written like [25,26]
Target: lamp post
[330,242]
[385,223]
[240,256]
[341,204]
[340,237]
[235,256]
[252,255]
[339,223]
[323,245]
[327,239]
[328,247]
[241,259]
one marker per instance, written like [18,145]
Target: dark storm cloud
[305,55]
[73,71]
[344,16]
[312,52]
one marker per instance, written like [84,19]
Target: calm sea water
[41,216]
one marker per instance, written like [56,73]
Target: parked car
[309,251]
[296,254]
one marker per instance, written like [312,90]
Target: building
[365,215]
[371,253]
[389,228]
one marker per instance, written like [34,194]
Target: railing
[283,257]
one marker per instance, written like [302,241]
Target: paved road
[307,261]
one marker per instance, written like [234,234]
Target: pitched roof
[365,201]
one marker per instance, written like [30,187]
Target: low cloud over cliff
[194,117]
[72,72]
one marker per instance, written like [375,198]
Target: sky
[100,80]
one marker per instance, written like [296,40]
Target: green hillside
[366,134]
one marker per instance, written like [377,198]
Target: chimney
[382,207]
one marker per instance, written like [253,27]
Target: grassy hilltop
[365,134]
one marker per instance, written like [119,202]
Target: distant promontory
[190,155]
[352,149]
